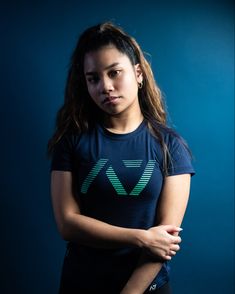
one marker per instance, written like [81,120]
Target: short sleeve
[62,156]
[180,158]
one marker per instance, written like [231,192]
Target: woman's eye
[93,80]
[114,73]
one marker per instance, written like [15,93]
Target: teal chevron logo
[92,175]
[115,181]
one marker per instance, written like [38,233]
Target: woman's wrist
[140,238]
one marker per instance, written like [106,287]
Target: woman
[120,178]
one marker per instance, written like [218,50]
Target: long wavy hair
[79,113]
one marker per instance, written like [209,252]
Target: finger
[172,253]
[172,229]
[176,240]
[175,247]
[179,239]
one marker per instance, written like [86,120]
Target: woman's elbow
[64,229]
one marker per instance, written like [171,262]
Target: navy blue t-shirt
[118,180]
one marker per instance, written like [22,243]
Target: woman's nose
[106,85]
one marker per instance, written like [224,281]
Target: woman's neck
[121,124]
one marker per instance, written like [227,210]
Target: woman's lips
[110,99]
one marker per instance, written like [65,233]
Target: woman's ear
[138,73]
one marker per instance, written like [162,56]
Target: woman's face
[112,80]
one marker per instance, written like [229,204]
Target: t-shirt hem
[180,171]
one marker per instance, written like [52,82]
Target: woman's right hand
[160,242]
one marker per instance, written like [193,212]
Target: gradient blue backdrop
[191,47]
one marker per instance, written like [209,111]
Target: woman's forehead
[104,58]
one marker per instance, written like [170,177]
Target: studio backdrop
[190,47]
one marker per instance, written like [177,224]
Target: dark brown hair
[79,112]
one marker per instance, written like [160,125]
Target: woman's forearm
[144,274]
[94,233]
[148,267]
[98,234]
[73,226]
[170,210]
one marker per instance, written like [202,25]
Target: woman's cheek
[129,82]
[92,92]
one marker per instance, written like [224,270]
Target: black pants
[165,289]
[70,283]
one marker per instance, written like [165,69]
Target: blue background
[191,47]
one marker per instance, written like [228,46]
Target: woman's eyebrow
[106,68]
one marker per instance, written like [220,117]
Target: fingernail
[180,229]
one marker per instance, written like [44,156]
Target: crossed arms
[162,241]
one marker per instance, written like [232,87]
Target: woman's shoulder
[70,138]
[172,138]
[168,133]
